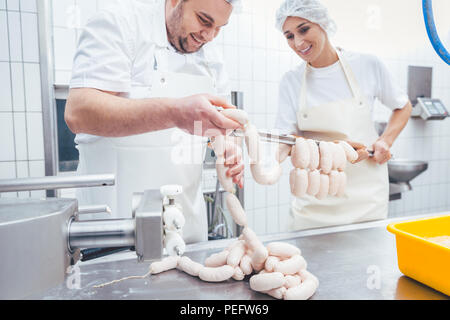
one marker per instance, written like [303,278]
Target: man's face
[193,23]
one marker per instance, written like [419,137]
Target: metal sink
[401,173]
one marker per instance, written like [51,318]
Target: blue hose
[432,33]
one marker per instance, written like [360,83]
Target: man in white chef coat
[145,84]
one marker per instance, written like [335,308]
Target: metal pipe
[102,233]
[94,209]
[48,98]
[59,182]
[237,99]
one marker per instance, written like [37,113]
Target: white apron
[367,192]
[151,160]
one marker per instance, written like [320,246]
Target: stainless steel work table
[345,259]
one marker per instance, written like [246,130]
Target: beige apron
[151,160]
[367,192]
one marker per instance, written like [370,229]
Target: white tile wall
[31,43]
[18,86]
[21,129]
[13,5]
[33,87]
[5,87]
[256,57]
[4,48]
[28,6]
[6,130]
[15,36]
[20,136]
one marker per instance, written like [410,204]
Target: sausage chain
[278,269]
[319,171]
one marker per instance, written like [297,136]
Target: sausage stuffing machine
[40,239]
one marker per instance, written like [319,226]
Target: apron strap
[351,79]
[357,93]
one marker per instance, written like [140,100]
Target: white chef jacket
[330,84]
[117,47]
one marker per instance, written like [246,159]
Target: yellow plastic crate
[419,258]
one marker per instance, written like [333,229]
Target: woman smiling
[331,97]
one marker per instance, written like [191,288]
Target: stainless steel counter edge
[220,244]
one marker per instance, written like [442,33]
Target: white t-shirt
[116,52]
[325,85]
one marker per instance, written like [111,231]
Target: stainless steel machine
[420,80]
[41,238]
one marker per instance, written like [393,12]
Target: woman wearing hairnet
[331,97]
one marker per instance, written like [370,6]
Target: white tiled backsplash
[21,132]
[257,56]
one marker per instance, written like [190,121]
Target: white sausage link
[342,158]
[291,281]
[246,265]
[342,184]
[304,291]
[277,293]
[314,155]
[300,154]
[221,169]
[270,263]
[236,254]
[283,250]
[324,187]
[326,157]
[313,183]
[266,177]
[236,210]
[259,257]
[283,152]
[350,153]
[237,115]
[335,152]
[218,274]
[253,145]
[291,266]
[190,267]
[238,274]
[251,239]
[334,183]
[164,265]
[299,182]
[267,281]
[217,259]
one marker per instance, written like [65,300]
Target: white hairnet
[312,10]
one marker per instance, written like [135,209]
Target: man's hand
[234,161]
[382,152]
[363,154]
[198,115]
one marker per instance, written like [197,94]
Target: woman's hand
[363,154]
[382,152]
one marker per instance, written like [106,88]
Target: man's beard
[179,43]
